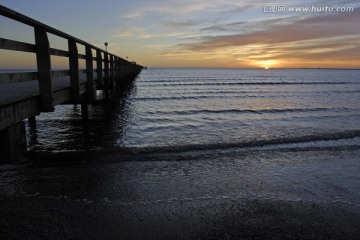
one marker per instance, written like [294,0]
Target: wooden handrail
[109,67]
[9,13]
[16,45]
[9,44]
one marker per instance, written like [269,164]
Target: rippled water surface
[191,109]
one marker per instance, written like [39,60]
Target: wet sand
[49,218]
[248,196]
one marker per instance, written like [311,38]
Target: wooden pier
[24,95]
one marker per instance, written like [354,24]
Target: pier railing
[27,94]
[110,69]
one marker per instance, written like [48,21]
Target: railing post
[112,72]
[106,68]
[117,72]
[122,70]
[99,78]
[89,74]
[126,71]
[44,69]
[74,70]
[115,69]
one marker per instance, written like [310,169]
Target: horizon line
[304,68]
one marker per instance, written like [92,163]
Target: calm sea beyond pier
[196,153]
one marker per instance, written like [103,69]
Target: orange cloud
[326,40]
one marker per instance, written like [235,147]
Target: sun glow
[266,64]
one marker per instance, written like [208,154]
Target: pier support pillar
[32,121]
[13,142]
[84,112]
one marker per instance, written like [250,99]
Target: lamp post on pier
[106,44]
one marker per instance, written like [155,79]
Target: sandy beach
[54,218]
[129,196]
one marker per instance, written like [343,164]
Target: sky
[198,33]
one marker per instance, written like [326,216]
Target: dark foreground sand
[259,195]
[43,218]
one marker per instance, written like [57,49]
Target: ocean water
[214,109]
[217,148]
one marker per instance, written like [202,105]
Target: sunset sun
[266,64]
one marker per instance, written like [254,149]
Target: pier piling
[13,142]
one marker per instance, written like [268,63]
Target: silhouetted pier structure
[24,95]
